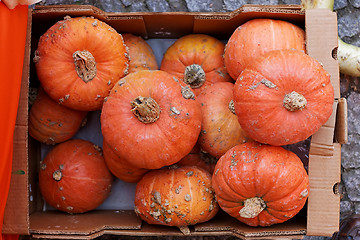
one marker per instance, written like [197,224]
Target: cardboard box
[25,209]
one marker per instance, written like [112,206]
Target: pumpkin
[196,59]
[220,128]
[197,157]
[283,97]
[141,54]
[175,197]
[74,178]
[260,185]
[150,120]
[78,60]
[259,36]
[121,168]
[50,122]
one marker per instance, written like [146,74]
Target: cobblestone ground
[348,12]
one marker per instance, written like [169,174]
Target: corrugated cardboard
[24,212]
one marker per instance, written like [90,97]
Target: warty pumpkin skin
[151,120]
[141,54]
[120,168]
[74,178]
[176,197]
[257,37]
[50,122]
[196,59]
[283,97]
[78,60]
[260,185]
[220,128]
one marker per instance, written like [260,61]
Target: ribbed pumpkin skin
[55,63]
[200,49]
[50,122]
[121,168]
[253,170]
[85,179]
[260,91]
[141,54]
[220,128]
[175,197]
[157,144]
[259,36]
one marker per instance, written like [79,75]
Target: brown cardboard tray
[24,212]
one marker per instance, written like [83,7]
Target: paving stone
[348,25]
[112,5]
[204,6]
[353,102]
[350,152]
[262,2]
[355,3]
[158,5]
[292,2]
[178,5]
[351,181]
[339,4]
[346,209]
[231,5]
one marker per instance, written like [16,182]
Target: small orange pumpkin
[141,54]
[283,97]
[259,36]
[220,128]
[50,122]
[74,178]
[150,119]
[260,185]
[176,197]
[120,167]
[78,60]
[196,59]
[199,158]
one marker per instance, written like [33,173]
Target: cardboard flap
[321,30]
[323,203]
[60,223]
[341,128]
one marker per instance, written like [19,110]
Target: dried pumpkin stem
[184,229]
[85,65]
[232,107]
[294,101]
[194,76]
[252,207]
[147,110]
[57,175]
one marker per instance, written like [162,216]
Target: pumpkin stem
[252,207]
[232,107]
[147,110]
[85,65]
[294,101]
[57,175]
[194,76]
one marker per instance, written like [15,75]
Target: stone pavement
[348,12]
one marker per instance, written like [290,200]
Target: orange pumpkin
[175,197]
[78,60]
[151,120]
[50,122]
[196,59]
[199,158]
[74,178]
[220,128]
[283,97]
[259,36]
[141,54]
[260,185]
[120,167]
